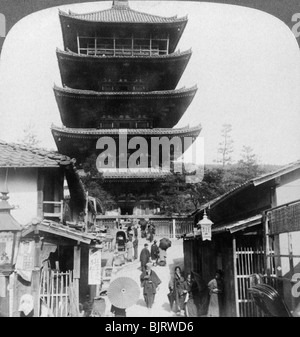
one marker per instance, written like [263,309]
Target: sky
[245,63]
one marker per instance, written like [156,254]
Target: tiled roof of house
[18,155]
[252,182]
[122,14]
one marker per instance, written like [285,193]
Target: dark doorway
[126,210]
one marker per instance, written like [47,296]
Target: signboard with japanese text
[94,266]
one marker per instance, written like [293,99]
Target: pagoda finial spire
[120,4]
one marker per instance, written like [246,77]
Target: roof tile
[122,14]
[19,155]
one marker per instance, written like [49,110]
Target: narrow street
[161,307]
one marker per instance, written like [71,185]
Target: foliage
[226,145]
[29,136]
[93,182]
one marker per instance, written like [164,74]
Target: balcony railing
[96,46]
[56,209]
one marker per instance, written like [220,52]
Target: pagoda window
[139,87]
[123,125]
[107,125]
[142,125]
[124,87]
[107,87]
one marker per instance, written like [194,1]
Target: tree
[208,189]
[173,196]
[93,182]
[226,145]
[248,167]
[29,136]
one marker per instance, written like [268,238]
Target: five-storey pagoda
[119,72]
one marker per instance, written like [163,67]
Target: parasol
[123,292]
[165,243]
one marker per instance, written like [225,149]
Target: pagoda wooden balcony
[123,51]
[126,47]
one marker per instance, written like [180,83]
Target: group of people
[147,229]
[189,298]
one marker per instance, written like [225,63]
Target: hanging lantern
[10,232]
[205,226]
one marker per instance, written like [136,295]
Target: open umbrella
[123,292]
[165,243]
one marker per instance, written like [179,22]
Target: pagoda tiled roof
[149,173]
[145,94]
[122,14]
[145,132]
[18,155]
[176,53]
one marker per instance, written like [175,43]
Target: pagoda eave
[116,133]
[156,72]
[83,109]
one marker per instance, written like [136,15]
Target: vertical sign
[94,266]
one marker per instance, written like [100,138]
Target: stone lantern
[10,233]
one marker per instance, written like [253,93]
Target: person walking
[154,252]
[151,231]
[143,226]
[144,257]
[129,249]
[149,282]
[135,244]
[216,287]
[135,229]
[190,306]
[178,286]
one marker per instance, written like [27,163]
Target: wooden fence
[164,226]
[58,291]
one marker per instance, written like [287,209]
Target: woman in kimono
[216,287]
[178,286]
[190,306]
[129,249]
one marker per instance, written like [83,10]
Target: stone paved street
[161,307]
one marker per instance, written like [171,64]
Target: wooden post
[61,211]
[168,40]
[76,271]
[267,245]
[78,44]
[35,283]
[174,229]
[114,45]
[236,297]
[11,286]
[86,211]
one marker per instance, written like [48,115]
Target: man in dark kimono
[154,253]
[144,257]
[149,281]
[135,247]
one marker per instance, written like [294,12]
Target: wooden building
[51,252]
[119,71]
[249,237]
